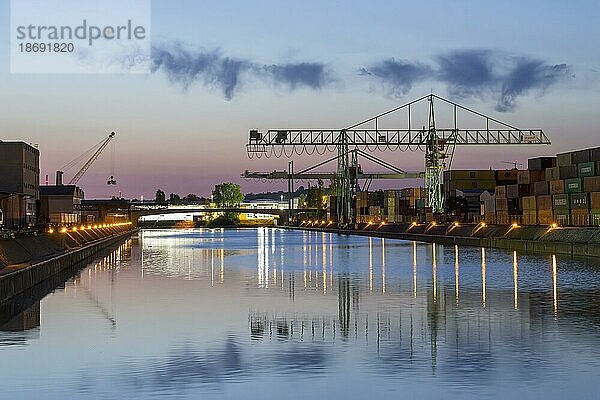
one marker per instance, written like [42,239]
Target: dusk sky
[309,64]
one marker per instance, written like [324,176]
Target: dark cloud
[467,72]
[397,76]
[212,69]
[312,75]
[188,67]
[526,75]
[478,73]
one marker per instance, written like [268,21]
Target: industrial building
[60,204]
[19,184]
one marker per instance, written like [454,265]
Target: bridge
[133,211]
[137,211]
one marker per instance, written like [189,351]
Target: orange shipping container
[595,200]
[545,217]
[500,192]
[544,203]
[502,217]
[557,186]
[501,205]
[526,177]
[580,217]
[591,184]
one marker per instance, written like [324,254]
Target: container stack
[463,180]
[362,206]
[564,189]
[567,194]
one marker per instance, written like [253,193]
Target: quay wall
[574,241]
[17,281]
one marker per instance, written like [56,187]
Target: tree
[302,201]
[227,194]
[160,196]
[191,198]
[314,197]
[174,198]
[334,187]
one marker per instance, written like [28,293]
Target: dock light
[74,229]
[483,224]
[95,226]
[63,230]
[456,224]
[515,225]
[82,227]
[413,224]
[89,227]
[50,230]
[554,225]
[433,223]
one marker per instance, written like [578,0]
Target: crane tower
[437,142]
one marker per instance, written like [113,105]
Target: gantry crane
[98,150]
[438,144]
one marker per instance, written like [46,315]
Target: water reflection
[456,272]
[25,320]
[516,280]
[554,279]
[212,312]
[483,277]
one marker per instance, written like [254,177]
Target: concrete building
[19,184]
[59,204]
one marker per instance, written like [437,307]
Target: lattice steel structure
[437,143]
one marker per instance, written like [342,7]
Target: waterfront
[269,313]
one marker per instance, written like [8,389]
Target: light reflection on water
[270,313]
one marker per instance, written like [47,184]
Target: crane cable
[71,164]
[112,159]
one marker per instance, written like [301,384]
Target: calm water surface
[269,313]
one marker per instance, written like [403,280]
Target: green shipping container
[580,201]
[560,201]
[595,218]
[586,169]
[573,185]
[552,174]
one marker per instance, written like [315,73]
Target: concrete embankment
[19,278]
[576,241]
[23,251]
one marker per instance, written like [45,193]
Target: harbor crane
[438,144]
[97,150]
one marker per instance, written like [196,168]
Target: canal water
[270,313]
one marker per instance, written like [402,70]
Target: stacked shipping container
[563,189]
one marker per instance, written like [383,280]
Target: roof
[28,146]
[60,190]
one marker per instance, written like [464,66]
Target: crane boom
[92,159]
[438,143]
